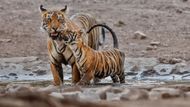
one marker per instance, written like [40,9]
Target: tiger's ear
[64,10]
[42,9]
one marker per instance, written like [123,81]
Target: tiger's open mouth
[54,35]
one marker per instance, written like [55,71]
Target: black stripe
[80,54]
[69,58]
[54,59]
[64,47]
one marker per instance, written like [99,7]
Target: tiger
[55,22]
[92,63]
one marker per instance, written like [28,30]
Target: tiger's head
[53,22]
[70,37]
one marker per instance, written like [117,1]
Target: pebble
[102,91]
[148,48]
[40,72]
[134,94]
[164,93]
[12,74]
[155,43]
[5,40]
[139,35]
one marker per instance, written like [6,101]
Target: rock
[134,94]
[5,40]
[13,88]
[48,89]
[113,96]
[150,72]
[135,68]
[164,93]
[102,92]
[116,90]
[175,60]
[31,74]
[179,11]
[40,72]
[156,43]
[141,62]
[184,0]
[12,74]
[89,96]
[164,69]
[73,89]
[56,95]
[183,87]
[120,23]
[168,60]
[139,35]
[130,73]
[71,95]
[148,48]
[187,94]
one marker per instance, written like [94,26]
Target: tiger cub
[95,64]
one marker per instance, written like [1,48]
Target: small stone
[130,73]
[134,94]
[148,48]
[5,40]
[113,96]
[156,43]
[56,95]
[164,93]
[48,89]
[12,74]
[102,92]
[73,89]
[135,68]
[179,11]
[175,60]
[164,69]
[139,35]
[150,72]
[89,96]
[183,87]
[187,94]
[31,74]
[184,0]
[40,72]
[116,90]
[13,88]
[71,95]
[120,23]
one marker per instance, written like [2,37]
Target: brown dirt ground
[166,21]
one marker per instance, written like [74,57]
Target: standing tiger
[92,63]
[54,22]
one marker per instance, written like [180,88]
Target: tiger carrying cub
[92,63]
[54,22]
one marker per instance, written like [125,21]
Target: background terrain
[163,21]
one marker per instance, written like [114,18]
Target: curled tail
[115,40]
[103,37]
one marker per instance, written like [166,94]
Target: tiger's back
[85,22]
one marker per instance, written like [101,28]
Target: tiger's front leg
[57,72]
[85,80]
[56,67]
[75,74]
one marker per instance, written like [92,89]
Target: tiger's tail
[115,40]
[101,43]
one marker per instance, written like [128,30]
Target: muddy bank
[150,69]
